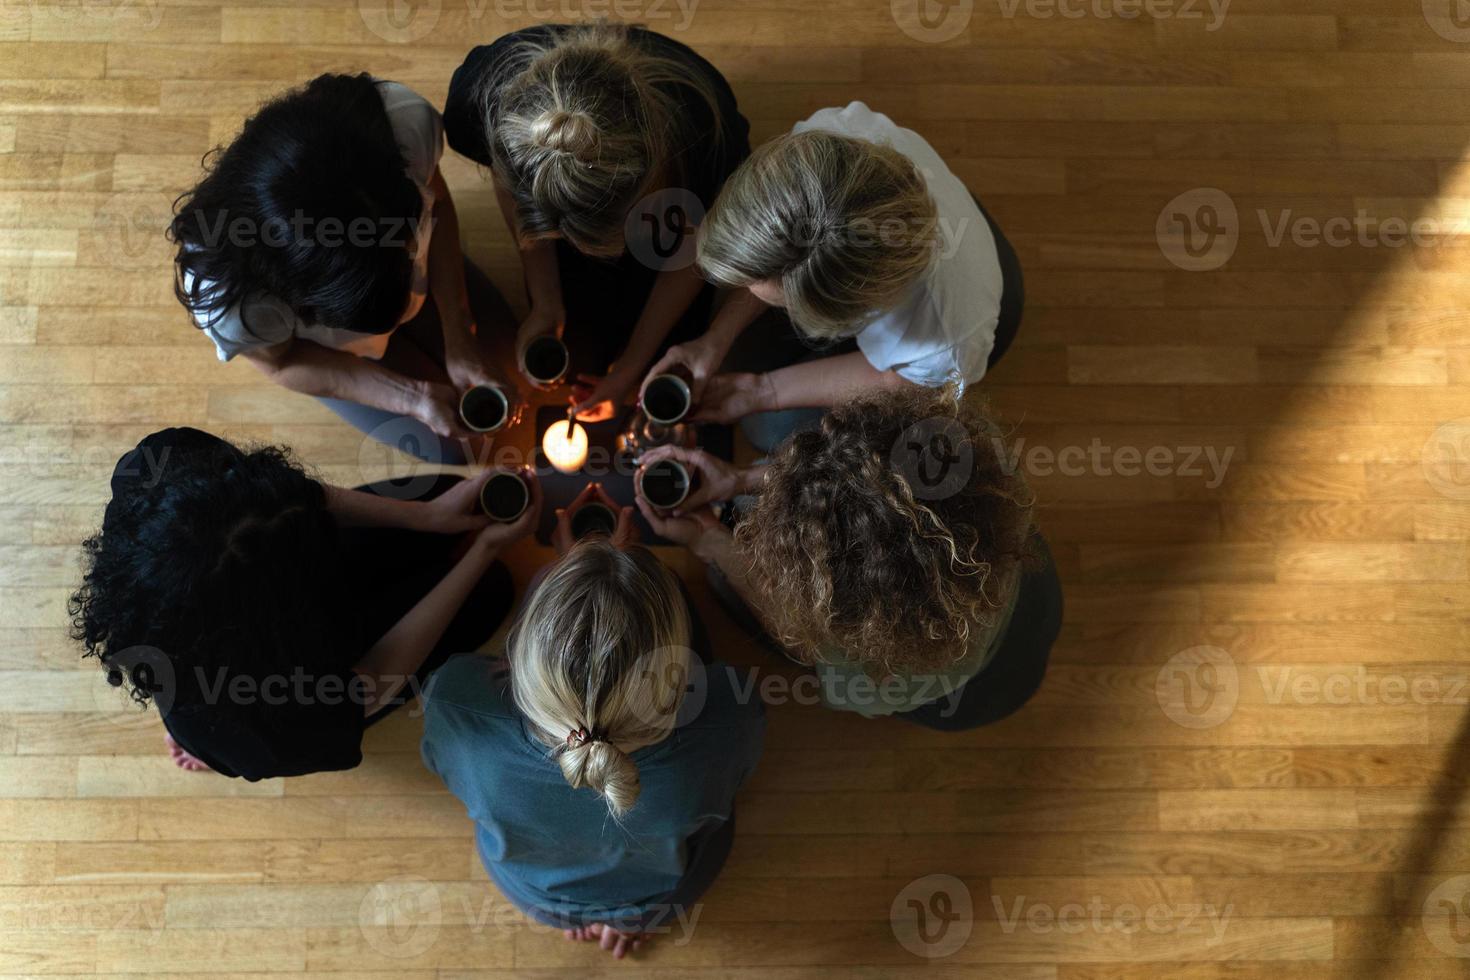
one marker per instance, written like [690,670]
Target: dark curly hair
[224,562]
[319,154]
[848,556]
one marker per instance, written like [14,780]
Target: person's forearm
[446,269]
[394,659]
[538,259]
[354,508]
[717,548]
[740,310]
[750,478]
[672,292]
[312,369]
[826,382]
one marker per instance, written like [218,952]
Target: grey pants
[417,350]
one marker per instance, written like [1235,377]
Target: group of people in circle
[848,294]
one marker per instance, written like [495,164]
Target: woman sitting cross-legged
[600,759]
[893,550]
[271,618]
[888,269]
[322,246]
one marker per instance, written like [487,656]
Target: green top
[846,685]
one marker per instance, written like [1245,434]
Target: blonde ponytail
[599,660]
[581,125]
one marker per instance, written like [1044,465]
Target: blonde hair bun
[604,768]
[565,131]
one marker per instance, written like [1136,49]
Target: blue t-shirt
[555,851]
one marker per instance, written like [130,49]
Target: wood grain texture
[1250,758]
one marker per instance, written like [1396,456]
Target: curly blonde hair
[850,562]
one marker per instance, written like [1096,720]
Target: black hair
[273,211]
[225,560]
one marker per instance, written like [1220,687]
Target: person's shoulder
[853,119]
[471,683]
[728,697]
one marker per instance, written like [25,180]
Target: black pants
[1016,671]
[391,569]
[1013,291]
[1010,679]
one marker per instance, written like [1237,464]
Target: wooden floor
[1249,758]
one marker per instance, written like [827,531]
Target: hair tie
[581,736]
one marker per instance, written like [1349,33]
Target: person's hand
[716,479]
[698,532]
[500,534]
[624,533]
[438,408]
[598,398]
[538,323]
[464,360]
[700,358]
[457,509]
[616,942]
[731,396]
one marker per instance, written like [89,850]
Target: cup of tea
[484,408]
[665,484]
[505,496]
[546,360]
[593,518]
[667,399]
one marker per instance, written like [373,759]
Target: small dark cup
[505,496]
[484,408]
[593,518]
[665,484]
[667,399]
[547,360]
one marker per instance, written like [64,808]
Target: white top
[944,329]
[261,320]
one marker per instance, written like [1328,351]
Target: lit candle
[565,445]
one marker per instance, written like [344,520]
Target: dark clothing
[302,710]
[1002,686]
[1013,294]
[604,297]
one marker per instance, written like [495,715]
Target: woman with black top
[606,145]
[272,618]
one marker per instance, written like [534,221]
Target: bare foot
[181,758]
[619,944]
